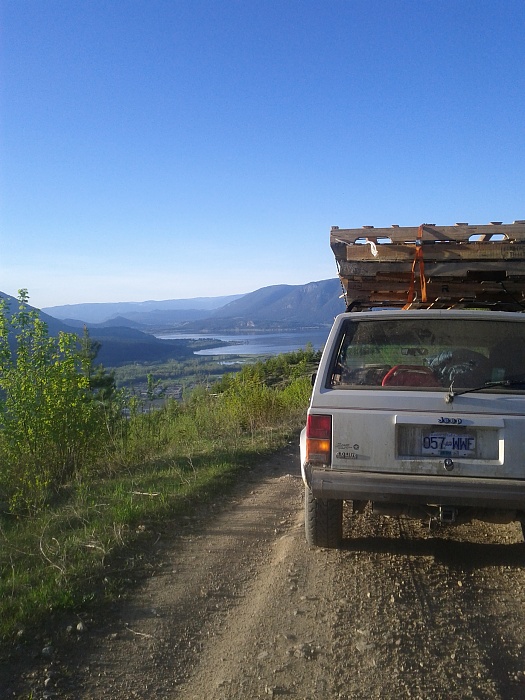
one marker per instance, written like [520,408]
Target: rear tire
[323,520]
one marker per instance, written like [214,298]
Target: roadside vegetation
[88,469]
[176,377]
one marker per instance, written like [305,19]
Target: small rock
[305,651]
[81,627]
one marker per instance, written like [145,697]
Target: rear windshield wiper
[449,398]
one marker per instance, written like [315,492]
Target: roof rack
[429,266]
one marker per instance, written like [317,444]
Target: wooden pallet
[457,266]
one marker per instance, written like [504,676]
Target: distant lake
[256,343]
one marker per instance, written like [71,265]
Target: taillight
[318,439]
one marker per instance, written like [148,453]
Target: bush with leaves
[50,425]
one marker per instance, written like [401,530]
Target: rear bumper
[420,489]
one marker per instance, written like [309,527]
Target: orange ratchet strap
[418,259]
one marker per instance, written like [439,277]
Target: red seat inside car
[410,375]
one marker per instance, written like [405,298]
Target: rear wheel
[323,520]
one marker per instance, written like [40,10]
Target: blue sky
[163,149]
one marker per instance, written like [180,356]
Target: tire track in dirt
[235,612]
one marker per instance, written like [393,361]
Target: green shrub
[50,426]
[118,467]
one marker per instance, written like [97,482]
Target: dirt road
[239,607]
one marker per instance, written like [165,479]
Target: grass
[86,549]
[92,538]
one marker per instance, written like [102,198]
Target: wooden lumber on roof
[459,233]
[464,265]
[446,251]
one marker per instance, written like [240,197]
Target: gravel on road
[236,606]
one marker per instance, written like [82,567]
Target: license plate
[448,445]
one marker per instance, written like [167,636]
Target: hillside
[54,325]
[121,344]
[279,307]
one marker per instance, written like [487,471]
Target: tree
[50,426]
[102,383]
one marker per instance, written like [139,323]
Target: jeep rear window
[429,354]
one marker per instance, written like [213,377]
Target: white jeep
[420,412]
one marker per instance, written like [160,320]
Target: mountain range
[140,311]
[278,307]
[126,329]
